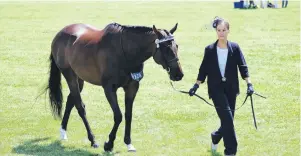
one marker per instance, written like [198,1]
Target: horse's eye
[177,46]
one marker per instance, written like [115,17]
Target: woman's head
[222,28]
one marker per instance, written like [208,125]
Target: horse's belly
[89,74]
[86,68]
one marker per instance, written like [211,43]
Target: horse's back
[84,33]
[76,47]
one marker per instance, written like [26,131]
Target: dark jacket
[210,68]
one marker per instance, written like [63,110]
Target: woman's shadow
[36,147]
[214,153]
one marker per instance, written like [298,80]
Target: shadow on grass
[214,153]
[36,147]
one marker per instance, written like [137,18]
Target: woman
[219,65]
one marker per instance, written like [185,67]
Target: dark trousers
[225,99]
[284,3]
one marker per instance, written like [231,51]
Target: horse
[106,57]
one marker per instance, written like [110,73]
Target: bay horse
[106,58]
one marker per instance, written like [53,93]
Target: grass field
[164,122]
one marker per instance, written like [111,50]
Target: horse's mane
[133,29]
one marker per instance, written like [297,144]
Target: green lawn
[164,122]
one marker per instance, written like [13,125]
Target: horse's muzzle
[176,78]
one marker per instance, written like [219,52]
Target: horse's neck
[142,48]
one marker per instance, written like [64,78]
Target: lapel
[229,57]
[216,58]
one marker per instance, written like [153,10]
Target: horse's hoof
[131,148]
[95,145]
[63,134]
[108,147]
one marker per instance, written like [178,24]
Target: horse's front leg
[130,94]
[110,92]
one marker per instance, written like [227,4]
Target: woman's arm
[248,80]
[242,65]
[198,82]
[203,69]
[243,68]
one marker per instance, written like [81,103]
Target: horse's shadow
[36,147]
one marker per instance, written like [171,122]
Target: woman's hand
[193,89]
[250,89]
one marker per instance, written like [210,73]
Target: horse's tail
[55,88]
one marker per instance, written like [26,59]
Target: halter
[168,38]
[165,39]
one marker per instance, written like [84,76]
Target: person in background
[263,4]
[220,65]
[276,3]
[284,3]
[252,4]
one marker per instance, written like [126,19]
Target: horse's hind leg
[69,107]
[75,86]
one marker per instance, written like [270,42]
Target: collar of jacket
[228,45]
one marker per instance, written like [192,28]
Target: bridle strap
[172,60]
[253,112]
[158,41]
[168,38]
[185,92]
[252,105]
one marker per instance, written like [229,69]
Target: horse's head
[166,53]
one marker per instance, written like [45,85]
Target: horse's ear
[157,32]
[174,29]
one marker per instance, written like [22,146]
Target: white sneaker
[63,134]
[213,147]
[131,148]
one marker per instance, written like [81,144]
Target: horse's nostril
[178,77]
